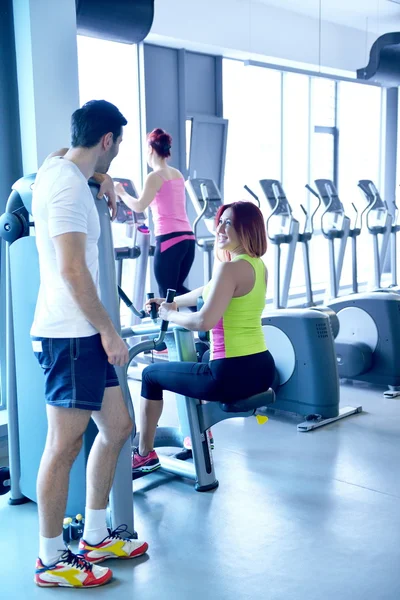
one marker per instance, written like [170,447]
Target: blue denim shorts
[76,371]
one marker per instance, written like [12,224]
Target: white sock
[50,549]
[95,526]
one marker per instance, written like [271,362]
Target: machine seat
[251,403]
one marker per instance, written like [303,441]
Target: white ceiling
[382,15]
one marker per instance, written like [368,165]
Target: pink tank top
[169,207]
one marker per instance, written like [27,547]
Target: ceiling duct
[384,61]
[126,21]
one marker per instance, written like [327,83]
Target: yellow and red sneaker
[113,546]
[71,570]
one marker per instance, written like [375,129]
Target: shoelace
[117,533]
[76,560]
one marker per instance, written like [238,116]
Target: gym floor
[297,516]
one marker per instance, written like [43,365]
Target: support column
[10,147]
[389,162]
[47,68]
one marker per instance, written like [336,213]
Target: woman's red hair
[161,142]
[249,225]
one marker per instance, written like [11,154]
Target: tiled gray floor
[297,516]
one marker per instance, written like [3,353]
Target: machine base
[392,392]
[206,488]
[18,501]
[345,411]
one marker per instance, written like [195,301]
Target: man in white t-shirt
[77,345]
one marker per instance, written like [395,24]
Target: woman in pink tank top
[164,192]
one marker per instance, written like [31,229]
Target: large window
[359,124]
[298,128]
[252,104]
[113,76]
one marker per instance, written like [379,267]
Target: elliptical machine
[137,234]
[301,340]
[283,229]
[381,224]
[207,200]
[371,322]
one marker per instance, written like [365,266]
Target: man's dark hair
[93,120]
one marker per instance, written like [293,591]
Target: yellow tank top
[239,331]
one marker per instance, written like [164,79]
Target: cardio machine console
[193,187]
[124,213]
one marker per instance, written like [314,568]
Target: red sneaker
[113,546]
[71,570]
[145,464]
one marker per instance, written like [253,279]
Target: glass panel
[113,76]
[359,123]
[323,153]
[296,143]
[252,103]
[323,101]
[189,124]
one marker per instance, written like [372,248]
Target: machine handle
[256,198]
[141,314]
[153,307]
[306,221]
[204,193]
[274,210]
[356,211]
[314,193]
[368,210]
[170,298]
[325,233]
[396,212]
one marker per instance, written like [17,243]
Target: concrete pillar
[47,71]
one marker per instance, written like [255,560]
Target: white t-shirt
[62,203]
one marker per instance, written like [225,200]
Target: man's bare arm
[70,252]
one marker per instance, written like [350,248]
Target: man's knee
[63,449]
[118,433]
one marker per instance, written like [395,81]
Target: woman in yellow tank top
[240,364]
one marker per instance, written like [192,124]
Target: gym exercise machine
[371,321]
[284,230]
[382,226]
[27,423]
[206,199]
[137,234]
[301,342]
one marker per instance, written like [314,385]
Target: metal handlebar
[204,193]
[311,219]
[356,211]
[310,189]
[141,314]
[274,210]
[152,344]
[256,198]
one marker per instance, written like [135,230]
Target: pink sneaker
[145,464]
[187,442]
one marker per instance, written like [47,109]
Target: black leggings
[172,266]
[222,380]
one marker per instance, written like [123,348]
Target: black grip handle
[153,306]
[256,198]
[310,189]
[170,298]
[124,297]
